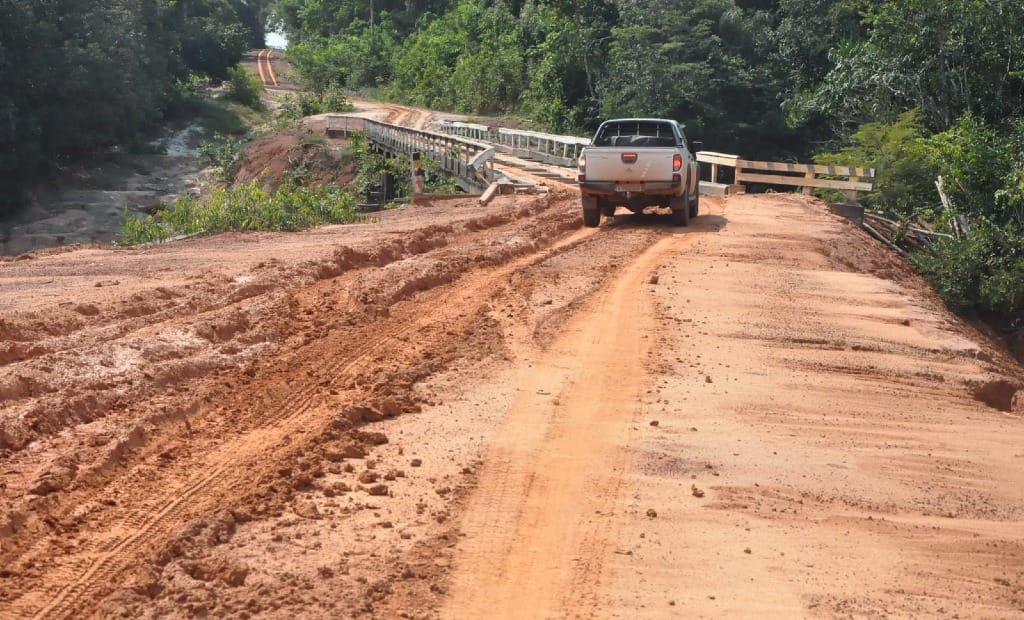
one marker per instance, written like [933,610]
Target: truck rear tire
[680,210]
[591,215]
[695,206]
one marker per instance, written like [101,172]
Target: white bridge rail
[548,148]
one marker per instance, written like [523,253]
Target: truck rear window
[635,133]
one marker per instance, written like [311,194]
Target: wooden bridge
[470,162]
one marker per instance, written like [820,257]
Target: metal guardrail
[469,161]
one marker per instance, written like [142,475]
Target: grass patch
[245,208]
[227,118]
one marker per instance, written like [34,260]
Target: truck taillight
[677,162]
[582,176]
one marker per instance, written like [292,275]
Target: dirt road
[459,411]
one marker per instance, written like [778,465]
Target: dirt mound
[299,155]
[999,394]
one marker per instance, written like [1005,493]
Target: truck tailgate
[618,164]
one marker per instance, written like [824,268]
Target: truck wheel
[680,210]
[591,215]
[695,206]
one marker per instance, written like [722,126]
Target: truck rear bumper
[650,188]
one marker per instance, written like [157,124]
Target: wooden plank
[723,159]
[490,193]
[775,166]
[801,181]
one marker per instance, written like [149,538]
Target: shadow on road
[702,223]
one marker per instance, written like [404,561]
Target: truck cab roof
[639,132]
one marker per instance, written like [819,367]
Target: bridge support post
[417,176]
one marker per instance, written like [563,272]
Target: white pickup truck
[639,163]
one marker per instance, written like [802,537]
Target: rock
[378,490]
[369,477]
[56,477]
[390,407]
[355,414]
[302,480]
[652,513]
[695,491]
[351,451]
[654,422]
[374,439]
[416,462]
[306,510]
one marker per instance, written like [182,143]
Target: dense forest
[82,75]
[917,89]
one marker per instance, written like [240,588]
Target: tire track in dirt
[561,452]
[229,465]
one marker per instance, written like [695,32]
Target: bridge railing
[548,148]
[337,125]
[807,176]
[471,162]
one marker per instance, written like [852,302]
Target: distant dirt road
[455,411]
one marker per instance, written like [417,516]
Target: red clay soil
[463,411]
[298,153]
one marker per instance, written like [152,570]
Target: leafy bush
[308,104]
[982,166]
[902,158]
[223,153]
[244,87]
[983,272]
[245,208]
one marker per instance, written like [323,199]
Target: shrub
[245,87]
[245,208]
[902,158]
[222,152]
[983,272]
[308,104]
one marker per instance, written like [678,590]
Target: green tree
[84,75]
[943,58]
[700,62]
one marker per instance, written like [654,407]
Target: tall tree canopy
[79,75]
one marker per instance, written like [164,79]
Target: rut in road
[537,533]
[288,417]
